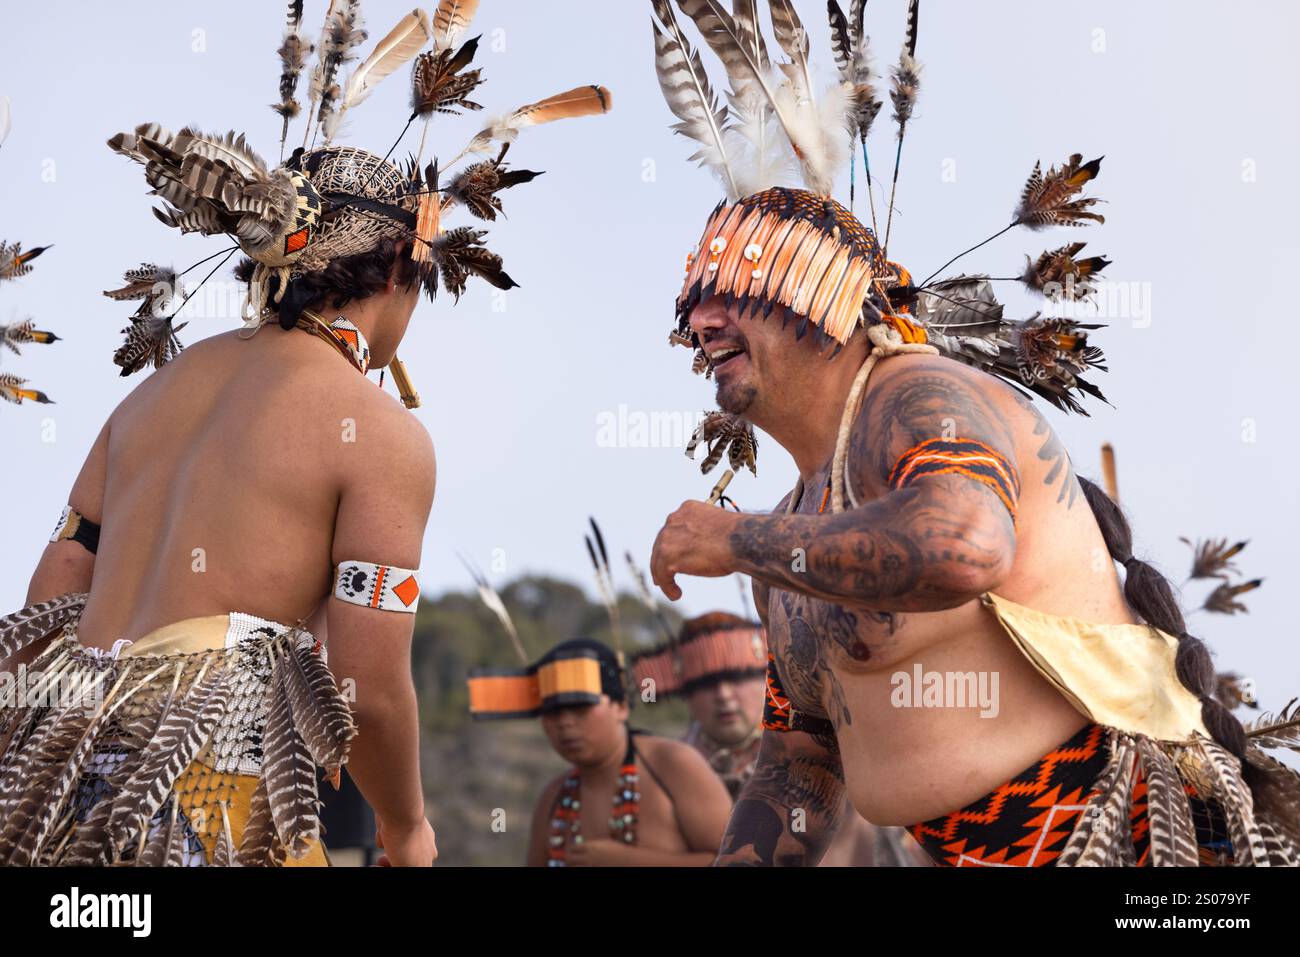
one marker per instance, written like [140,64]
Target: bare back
[224,471]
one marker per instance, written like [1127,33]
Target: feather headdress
[771,248]
[328,203]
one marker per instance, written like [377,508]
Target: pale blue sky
[1194,112]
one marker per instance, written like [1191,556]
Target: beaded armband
[76,527]
[377,586]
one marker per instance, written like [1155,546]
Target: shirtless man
[239,476]
[670,809]
[854,598]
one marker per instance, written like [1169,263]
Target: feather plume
[294,50]
[605,581]
[691,98]
[647,597]
[289,773]
[450,21]
[460,253]
[320,713]
[1281,730]
[6,123]
[1103,826]
[1050,200]
[1232,690]
[401,44]
[1224,598]
[259,845]
[805,126]
[476,186]
[11,390]
[14,262]
[438,86]
[1234,797]
[1173,835]
[488,595]
[180,737]
[151,337]
[1213,558]
[21,333]
[37,621]
[1275,789]
[580,101]
[724,433]
[793,39]
[1057,274]
[341,34]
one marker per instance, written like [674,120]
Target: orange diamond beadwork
[297,241]
[407,591]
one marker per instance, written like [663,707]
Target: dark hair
[1151,596]
[347,278]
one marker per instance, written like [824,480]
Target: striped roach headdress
[710,648]
[573,673]
[328,202]
[773,246]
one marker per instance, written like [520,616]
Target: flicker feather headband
[775,247]
[710,647]
[328,202]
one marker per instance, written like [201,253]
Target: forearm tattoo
[949,521]
[790,809]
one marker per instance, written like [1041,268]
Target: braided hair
[1151,596]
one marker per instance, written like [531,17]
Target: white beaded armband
[377,586]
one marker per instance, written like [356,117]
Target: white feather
[5,123]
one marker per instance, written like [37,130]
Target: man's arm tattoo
[790,808]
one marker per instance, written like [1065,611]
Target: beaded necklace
[566,818]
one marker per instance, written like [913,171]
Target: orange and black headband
[574,673]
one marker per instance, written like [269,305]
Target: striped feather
[450,21]
[1104,823]
[320,713]
[289,773]
[1233,796]
[1173,835]
[38,621]
[180,738]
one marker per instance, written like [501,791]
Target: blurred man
[630,799]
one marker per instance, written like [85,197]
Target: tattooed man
[951,644]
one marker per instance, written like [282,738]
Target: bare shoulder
[674,759]
[913,399]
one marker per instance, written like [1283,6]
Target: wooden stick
[721,487]
[1108,475]
[405,388]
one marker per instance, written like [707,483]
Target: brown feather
[1050,200]
[1173,835]
[289,773]
[37,621]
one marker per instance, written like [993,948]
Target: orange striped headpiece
[711,647]
[792,250]
[574,673]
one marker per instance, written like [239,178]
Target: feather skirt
[204,757]
[1103,836]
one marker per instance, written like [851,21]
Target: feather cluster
[439,86]
[1213,558]
[476,186]
[1059,274]
[151,337]
[459,253]
[724,433]
[1052,199]
[1224,598]
[293,53]
[15,263]
[342,34]
[20,333]
[401,44]
[1047,355]
[11,390]
[156,725]
[849,43]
